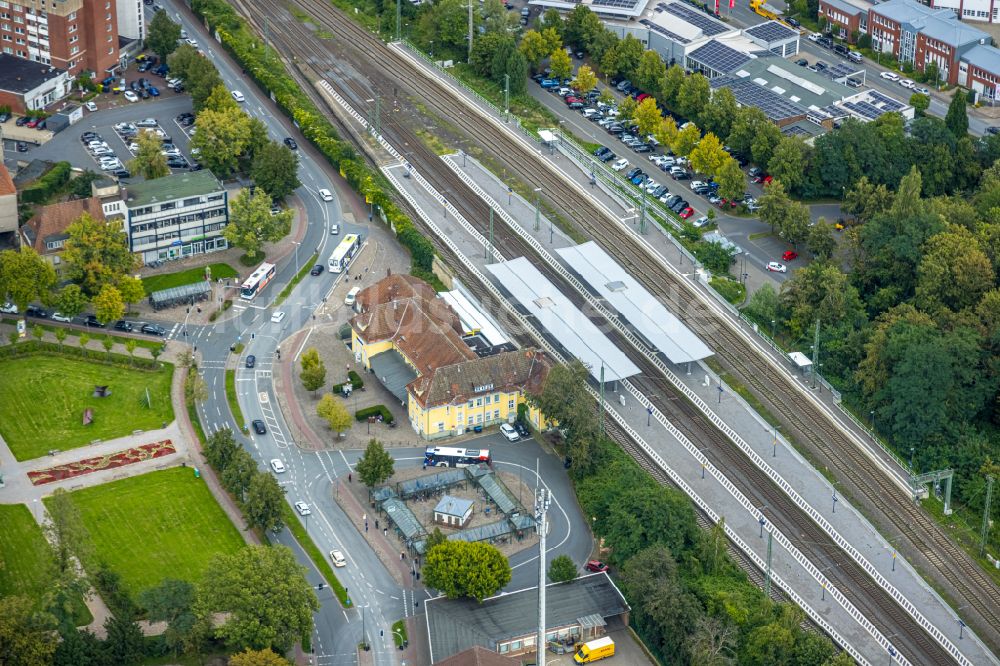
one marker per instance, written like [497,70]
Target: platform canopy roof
[563,320]
[644,312]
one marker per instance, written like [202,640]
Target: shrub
[731,290]
[47,185]
[375,410]
[39,347]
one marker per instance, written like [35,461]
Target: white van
[352,295]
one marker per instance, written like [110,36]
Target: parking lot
[66,145]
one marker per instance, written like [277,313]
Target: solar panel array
[620,4]
[795,130]
[718,57]
[864,109]
[655,27]
[840,70]
[748,93]
[708,25]
[771,31]
[887,103]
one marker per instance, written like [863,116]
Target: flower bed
[110,461]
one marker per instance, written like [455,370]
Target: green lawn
[156,525]
[23,558]
[190,276]
[42,399]
[23,552]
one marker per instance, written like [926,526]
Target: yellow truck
[765,10]
[595,650]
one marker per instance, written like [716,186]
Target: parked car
[153,329]
[37,312]
[122,325]
[596,566]
[93,321]
[775,267]
[131,96]
[522,429]
[508,431]
[890,76]
[59,316]
[9,308]
[789,255]
[620,165]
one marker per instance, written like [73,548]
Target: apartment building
[131,19]
[73,35]
[176,216]
[917,34]
[845,18]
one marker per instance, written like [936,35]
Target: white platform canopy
[644,312]
[800,360]
[563,321]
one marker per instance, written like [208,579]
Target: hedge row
[356,383]
[47,185]
[27,347]
[363,414]
[248,50]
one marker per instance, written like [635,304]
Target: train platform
[780,459]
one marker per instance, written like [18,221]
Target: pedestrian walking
[350,478]
[401,555]
[376,523]
[385,531]
[366,527]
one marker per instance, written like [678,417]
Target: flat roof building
[623,9]
[26,85]
[507,624]
[979,71]
[176,216]
[846,18]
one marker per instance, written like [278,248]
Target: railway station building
[450,376]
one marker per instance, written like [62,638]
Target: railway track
[394,71]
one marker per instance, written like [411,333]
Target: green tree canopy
[560,64]
[717,116]
[957,118]
[275,169]
[265,657]
[97,253]
[466,569]
[264,502]
[376,465]
[27,636]
[25,277]
[251,223]
[266,595]
[162,35]
[562,569]
[564,399]
[732,182]
[333,411]
[788,162]
[693,96]
[172,601]
[708,156]
[221,139]
[108,304]
[954,272]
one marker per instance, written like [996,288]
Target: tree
[447,25]
[464,569]
[560,64]
[647,114]
[313,370]
[954,272]
[585,79]
[651,73]
[275,169]
[497,20]
[332,410]
[435,538]
[265,657]
[717,116]
[534,48]
[195,388]
[562,569]
[172,601]
[775,205]
[79,648]
[66,532]
[239,473]
[108,305]
[551,20]
[583,27]
[666,132]
[821,291]
[220,447]
[713,642]
[708,156]
[124,644]
[60,334]
[628,54]
[663,608]
[27,636]
[788,162]
[149,161]
[80,186]
[672,85]
[920,103]
[376,465]
[264,502]
[763,305]
[820,240]
[957,118]
[794,227]
[108,343]
[131,344]
[731,180]
[38,332]
[266,595]
[198,73]
[693,96]
[251,223]
[163,35]
[687,138]
[131,290]
[71,300]
[563,398]
[97,253]
[484,50]
[508,62]
[25,277]
[866,200]
[221,139]
[84,339]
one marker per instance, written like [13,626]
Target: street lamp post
[774,443]
[537,190]
[296,254]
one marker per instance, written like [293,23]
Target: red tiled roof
[6,182]
[524,369]
[53,220]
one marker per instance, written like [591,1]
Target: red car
[596,566]
[570,99]
[789,255]
[33,122]
[686,213]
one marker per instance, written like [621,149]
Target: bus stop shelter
[187,294]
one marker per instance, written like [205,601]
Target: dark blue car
[154,91]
